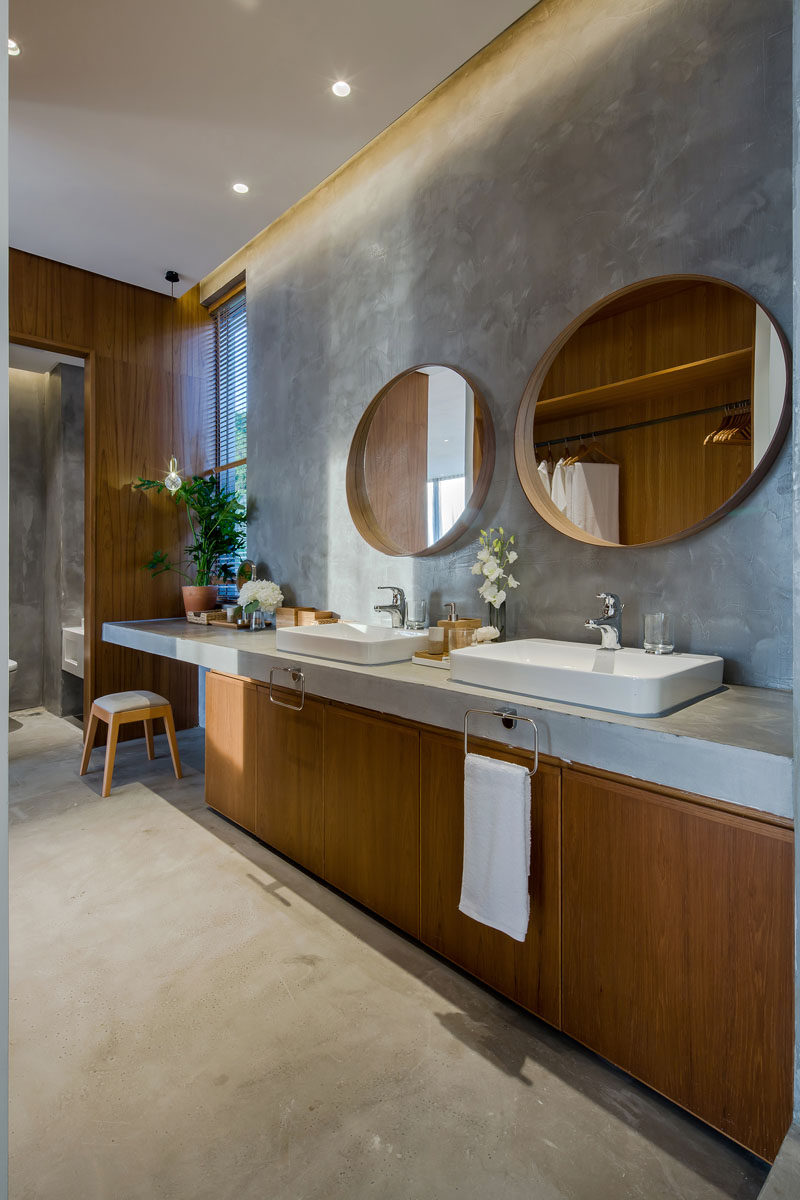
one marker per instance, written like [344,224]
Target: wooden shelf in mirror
[655,385]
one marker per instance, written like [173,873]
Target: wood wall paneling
[132,427]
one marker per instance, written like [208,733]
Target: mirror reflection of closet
[654,413]
[420,462]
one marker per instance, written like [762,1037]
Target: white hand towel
[594,499]
[497,845]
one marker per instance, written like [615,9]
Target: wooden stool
[120,708]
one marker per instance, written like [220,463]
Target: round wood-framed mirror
[655,412]
[421,461]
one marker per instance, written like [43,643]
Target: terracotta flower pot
[199,599]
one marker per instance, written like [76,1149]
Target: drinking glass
[417,611]
[659,633]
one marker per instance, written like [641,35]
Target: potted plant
[217,520]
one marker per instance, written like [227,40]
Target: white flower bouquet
[260,594]
[495,556]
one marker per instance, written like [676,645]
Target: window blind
[227,451]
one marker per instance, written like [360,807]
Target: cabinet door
[231,748]
[290,775]
[529,972]
[372,813]
[677,945]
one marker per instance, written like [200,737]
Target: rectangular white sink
[624,681]
[347,641]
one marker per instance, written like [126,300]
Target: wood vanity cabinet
[372,813]
[289,802]
[528,972]
[661,930]
[677,950]
[231,756]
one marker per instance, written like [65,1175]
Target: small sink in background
[625,681]
[348,641]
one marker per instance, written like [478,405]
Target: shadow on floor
[484,1019]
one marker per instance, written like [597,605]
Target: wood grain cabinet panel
[290,778]
[231,758]
[677,964]
[372,813]
[528,972]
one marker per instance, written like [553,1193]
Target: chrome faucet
[397,609]
[609,622]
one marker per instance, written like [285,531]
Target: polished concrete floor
[195,1019]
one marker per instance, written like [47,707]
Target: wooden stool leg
[169,725]
[91,733]
[148,737]
[111,750]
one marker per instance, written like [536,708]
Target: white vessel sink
[350,642]
[625,681]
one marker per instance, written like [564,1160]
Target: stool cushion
[117,702]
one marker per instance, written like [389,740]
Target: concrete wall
[598,143]
[26,535]
[64,577]
[46,533]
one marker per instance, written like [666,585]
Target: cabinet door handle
[296,676]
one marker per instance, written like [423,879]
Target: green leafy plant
[217,520]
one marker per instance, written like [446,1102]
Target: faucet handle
[611,603]
[452,614]
[398,595]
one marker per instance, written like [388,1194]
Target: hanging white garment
[544,474]
[558,486]
[593,499]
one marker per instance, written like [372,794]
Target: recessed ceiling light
[340,88]
[241,188]
[13,49]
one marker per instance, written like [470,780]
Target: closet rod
[698,412]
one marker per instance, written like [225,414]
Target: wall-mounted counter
[661,898]
[735,746]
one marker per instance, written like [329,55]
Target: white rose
[490,567]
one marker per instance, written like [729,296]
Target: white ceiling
[27,358]
[129,122]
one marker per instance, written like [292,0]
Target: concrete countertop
[734,746]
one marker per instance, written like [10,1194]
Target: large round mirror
[654,413]
[420,462]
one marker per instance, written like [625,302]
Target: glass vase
[497,620]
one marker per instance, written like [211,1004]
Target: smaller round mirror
[420,462]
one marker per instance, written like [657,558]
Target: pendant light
[172,480]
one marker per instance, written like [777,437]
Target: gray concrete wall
[46,533]
[26,535]
[603,142]
[64,489]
